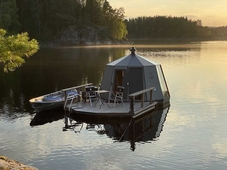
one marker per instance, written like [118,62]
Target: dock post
[132,104]
[142,99]
[151,96]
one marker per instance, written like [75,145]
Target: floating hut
[140,84]
[136,73]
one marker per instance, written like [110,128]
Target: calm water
[191,134]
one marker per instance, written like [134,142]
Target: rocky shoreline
[84,36]
[9,164]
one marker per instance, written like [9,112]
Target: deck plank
[110,110]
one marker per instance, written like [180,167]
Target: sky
[211,12]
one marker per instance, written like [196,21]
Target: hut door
[119,75]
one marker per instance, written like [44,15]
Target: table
[100,99]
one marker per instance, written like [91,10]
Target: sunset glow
[212,13]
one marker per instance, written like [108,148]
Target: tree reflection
[50,70]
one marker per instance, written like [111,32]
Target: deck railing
[132,97]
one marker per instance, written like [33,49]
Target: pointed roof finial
[133,50]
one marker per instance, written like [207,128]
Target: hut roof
[132,60]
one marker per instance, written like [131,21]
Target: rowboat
[54,100]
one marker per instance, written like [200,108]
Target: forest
[164,27]
[82,21]
[69,20]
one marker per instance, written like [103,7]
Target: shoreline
[131,41]
[7,164]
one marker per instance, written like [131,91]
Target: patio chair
[91,94]
[119,95]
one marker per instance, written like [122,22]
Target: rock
[8,164]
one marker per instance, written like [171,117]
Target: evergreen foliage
[8,16]
[15,48]
[165,27]
[48,19]
[161,27]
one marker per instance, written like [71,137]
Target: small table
[100,100]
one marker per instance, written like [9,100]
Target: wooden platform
[109,110]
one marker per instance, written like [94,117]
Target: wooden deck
[130,109]
[109,110]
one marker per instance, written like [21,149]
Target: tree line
[46,20]
[172,27]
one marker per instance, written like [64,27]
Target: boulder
[8,164]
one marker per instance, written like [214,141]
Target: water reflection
[143,129]
[50,70]
[44,117]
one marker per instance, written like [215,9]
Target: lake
[190,134]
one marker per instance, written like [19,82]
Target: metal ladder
[70,97]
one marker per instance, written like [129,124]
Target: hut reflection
[145,128]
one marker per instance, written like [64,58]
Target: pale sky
[211,12]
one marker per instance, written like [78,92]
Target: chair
[119,95]
[91,94]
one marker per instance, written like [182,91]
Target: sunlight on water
[197,83]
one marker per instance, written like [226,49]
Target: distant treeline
[172,27]
[94,19]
